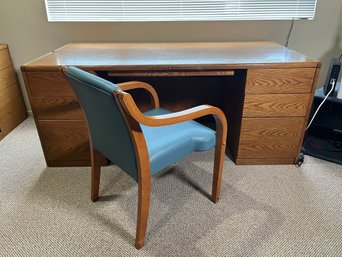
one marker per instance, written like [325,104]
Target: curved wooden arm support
[130,107]
[138,84]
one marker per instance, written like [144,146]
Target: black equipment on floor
[324,137]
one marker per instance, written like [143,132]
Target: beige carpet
[263,211]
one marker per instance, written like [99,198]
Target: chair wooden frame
[134,118]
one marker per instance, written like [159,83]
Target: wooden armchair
[142,144]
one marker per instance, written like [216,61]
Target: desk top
[171,56]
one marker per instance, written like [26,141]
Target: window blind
[178,10]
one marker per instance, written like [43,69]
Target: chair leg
[95,174]
[218,166]
[143,209]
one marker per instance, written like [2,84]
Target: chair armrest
[138,84]
[131,109]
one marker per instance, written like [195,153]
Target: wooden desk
[265,90]
[12,106]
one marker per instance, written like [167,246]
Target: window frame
[253,17]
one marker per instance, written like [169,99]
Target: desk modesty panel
[265,90]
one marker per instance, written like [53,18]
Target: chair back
[108,130]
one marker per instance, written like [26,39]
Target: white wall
[24,27]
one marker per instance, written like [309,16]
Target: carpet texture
[277,210]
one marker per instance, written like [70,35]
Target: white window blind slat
[178,10]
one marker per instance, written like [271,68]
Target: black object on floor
[324,138]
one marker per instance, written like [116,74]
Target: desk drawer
[5,60]
[7,78]
[65,140]
[57,108]
[270,137]
[48,84]
[273,105]
[264,81]
[12,109]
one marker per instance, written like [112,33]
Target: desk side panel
[57,108]
[48,84]
[59,119]
[12,109]
[7,78]
[5,59]
[65,140]
[12,106]
[306,120]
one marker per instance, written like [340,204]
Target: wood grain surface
[5,60]
[47,84]
[57,108]
[12,109]
[12,106]
[269,137]
[264,81]
[268,148]
[272,105]
[260,129]
[307,115]
[7,78]
[65,140]
[3,46]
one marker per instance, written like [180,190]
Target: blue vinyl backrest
[108,130]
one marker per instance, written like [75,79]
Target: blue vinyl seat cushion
[169,144]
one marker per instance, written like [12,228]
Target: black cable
[289,34]
[340,57]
